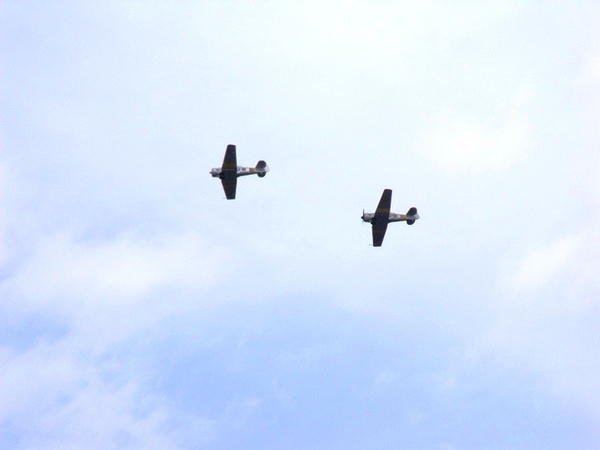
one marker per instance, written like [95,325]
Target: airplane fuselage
[218,172]
[393,217]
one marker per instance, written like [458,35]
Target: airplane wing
[378,234]
[229,172]
[229,185]
[382,217]
[384,204]
[230,160]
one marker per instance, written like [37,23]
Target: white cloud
[119,270]
[591,69]
[541,265]
[312,36]
[59,398]
[213,72]
[3,215]
[72,391]
[458,146]
[394,27]
[106,292]
[545,320]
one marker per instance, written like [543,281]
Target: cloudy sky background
[141,310]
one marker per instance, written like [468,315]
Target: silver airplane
[230,171]
[382,216]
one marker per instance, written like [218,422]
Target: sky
[139,309]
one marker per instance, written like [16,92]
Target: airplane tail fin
[261,168]
[412,212]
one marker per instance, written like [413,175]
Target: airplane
[230,171]
[382,216]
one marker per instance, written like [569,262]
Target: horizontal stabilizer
[261,168]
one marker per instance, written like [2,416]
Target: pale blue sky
[141,310]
